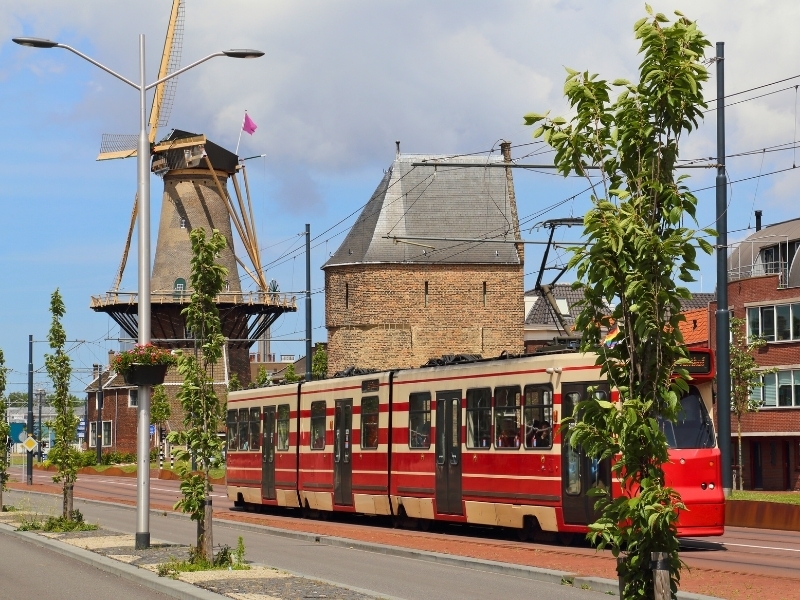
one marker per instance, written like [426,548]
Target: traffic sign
[152,430]
[30,444]
[22,436]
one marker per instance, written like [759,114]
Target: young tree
[63,454]
[319,366]
[264,377]
[234,385]
[289,376]
[745,377]
[197,395]
[160,412]
[637,245]
[5,429]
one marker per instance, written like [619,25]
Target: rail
[173,297]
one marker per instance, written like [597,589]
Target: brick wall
[779,462]
[377,315]
[763,289]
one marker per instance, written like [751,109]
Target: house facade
[764,289]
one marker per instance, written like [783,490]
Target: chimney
[758,220]
[111,355]
[397,153]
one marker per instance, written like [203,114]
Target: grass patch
[56,524]
[780,497]
[9,508]
[224,560]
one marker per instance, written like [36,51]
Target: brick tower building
[410,283]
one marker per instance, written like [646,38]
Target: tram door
[580,473]
[448,452]
[268,455]
[342,451]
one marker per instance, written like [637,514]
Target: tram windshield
[693,427]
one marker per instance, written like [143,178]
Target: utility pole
[30,406]
[722,316]
[308,302]
[39,398]
[98,430]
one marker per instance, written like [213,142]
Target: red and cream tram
[475,442]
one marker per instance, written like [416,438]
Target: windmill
[195,172]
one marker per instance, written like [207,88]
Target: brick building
[407,284]
[119,413]
[764,288]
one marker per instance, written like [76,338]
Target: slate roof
[453,202]
[541,313]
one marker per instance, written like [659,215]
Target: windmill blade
[170,62]
[115,145]
[124,260]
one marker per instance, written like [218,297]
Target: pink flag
[249,125]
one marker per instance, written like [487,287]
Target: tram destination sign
[370,385]
[699,363]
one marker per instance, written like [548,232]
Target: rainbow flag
[613,336]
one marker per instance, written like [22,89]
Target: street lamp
[143,181]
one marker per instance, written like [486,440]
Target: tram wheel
[423,524]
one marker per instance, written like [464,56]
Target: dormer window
[183,223]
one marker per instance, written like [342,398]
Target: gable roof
[698,300]
[695,327]
[433,202]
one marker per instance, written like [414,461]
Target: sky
[339,83]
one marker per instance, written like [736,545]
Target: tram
[475,442]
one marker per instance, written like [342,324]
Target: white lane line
[112,482]
[763,547]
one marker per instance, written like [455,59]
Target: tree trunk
[68,500]
[1,494]
[741,465]
[208,538]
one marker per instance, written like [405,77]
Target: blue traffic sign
[152,429]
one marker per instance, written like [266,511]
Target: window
[318,425]
[426,293]
[347,295]
[479,418]
[537,415]
[179,288]
[183,223]
[484,293]
[573,487]
[419,420]
[369,422]
[693,427]
[93,434]
[283,427]
[233,430]
[778,390]
[255,429]
[769,259]
[779,323]
[244,429]
[133,398]
[506,417]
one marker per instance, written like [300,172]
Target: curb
[170,587]
[596,584]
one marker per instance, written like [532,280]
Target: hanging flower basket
[145,374]
[143,365]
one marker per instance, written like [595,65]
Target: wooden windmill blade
[124,146]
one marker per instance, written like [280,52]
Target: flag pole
[240,133]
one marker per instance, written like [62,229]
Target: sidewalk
[585,562]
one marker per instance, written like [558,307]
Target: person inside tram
[543,434]
[532,434]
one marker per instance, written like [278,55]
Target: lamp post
[40,393]
[143,187]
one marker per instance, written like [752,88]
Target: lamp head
[242,53]
[33,42]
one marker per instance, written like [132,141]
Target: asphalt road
[29,571]
[745,550]
[406,578]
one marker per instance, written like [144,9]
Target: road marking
[726,544]
[112,482]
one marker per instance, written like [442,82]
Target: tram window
[419,420]
[318,425]
[479,418]
[244,430]
[283,427]
[693,427]
[537,415]
[369,422]
[573,487]
[255,429]
[233,430]
[506,417]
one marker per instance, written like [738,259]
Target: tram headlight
[703,485]
[711,486]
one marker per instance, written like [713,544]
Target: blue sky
[339,84]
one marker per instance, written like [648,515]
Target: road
[29,571]
[407,578]
[757,551]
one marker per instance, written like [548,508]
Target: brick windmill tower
[195,172]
